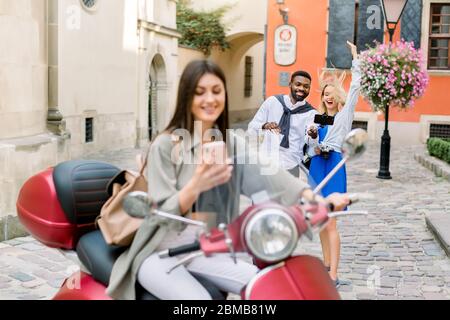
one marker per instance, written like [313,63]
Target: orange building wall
[311,20]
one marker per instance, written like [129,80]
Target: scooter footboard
[299,278]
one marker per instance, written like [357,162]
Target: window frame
[89,130]
[91,9]
[440,130]
[425,39]
[433,36]
[248,76]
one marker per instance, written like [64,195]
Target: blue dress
[320,168]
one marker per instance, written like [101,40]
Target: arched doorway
[243,65]
[157,94]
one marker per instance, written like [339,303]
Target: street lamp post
[392,10]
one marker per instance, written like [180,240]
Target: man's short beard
[298,98]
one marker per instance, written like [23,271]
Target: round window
[89,4]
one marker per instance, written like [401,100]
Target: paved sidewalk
[437,221]
[392,249]
[30,270]
[389,255]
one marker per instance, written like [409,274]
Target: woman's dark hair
[183,118]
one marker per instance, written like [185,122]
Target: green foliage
[201,30]
[439,148]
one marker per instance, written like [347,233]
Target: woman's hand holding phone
[215,168]
[214,153]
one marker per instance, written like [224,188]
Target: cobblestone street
[389,255]
[393,242]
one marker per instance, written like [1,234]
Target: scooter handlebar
[356,197]
[180,250]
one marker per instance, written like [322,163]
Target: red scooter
[59,207]
[269,233]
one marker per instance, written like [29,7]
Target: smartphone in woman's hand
[214,153]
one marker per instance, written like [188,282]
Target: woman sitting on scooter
[177,184]
[326,141]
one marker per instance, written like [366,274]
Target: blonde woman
[326,142]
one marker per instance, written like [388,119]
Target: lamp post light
[392,10]
[284,12]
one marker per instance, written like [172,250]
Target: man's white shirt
[272,111]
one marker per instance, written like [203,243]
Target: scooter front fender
[298,278]
[81,286]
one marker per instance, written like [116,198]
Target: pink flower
[381,79]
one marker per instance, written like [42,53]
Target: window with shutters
[369,24]
[411,24]
[358,21]
[439,39]
[362,22]
[340,30]
[248,85]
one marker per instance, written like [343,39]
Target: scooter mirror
[137,204]
[355,143]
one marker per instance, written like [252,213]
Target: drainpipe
[266,28]
[138,73]
[55,120]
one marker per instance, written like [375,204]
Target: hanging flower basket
[393,74]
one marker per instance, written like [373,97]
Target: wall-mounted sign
[285,45]
[284,79]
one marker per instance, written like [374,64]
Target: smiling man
[287,116]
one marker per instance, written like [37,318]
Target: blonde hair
[331,79]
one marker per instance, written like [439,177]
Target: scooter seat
[81,188]
[99,257]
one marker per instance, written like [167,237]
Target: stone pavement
[30,270]
[389,255]
[437,221]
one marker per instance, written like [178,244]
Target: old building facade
[323,29]
[85,76]
[75,78]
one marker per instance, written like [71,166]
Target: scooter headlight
[271,235]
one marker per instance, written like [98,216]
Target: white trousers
[219,269]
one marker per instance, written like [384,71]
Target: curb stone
[437,221]
[439,224]
[438,167]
